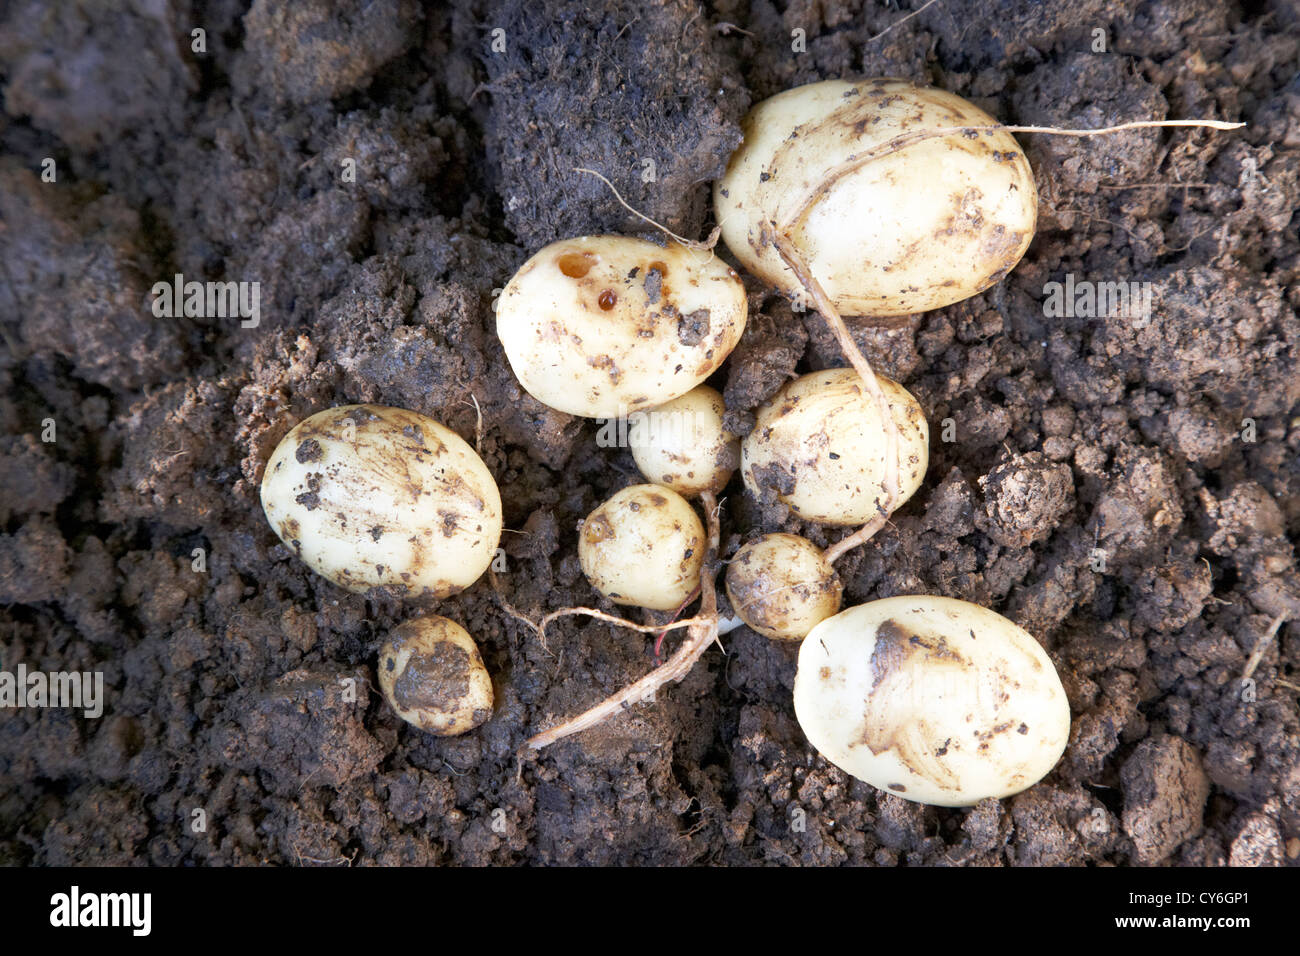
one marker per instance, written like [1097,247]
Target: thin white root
[889,484]
[703,632]
[905,140]
[1261,646]
[705,246]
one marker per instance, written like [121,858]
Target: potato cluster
[875,198]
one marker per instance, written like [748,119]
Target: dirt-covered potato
[782,586]
[644,546]
[372,496]
[820,444]
[936,700]
[602,326]
[433,677]
[683,445]
[919,227]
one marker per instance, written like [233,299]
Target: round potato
[682,444]
[602,326]
[820,444]
[918,227]
[644,546]
[936,700]
[432,675]
[782,586]
[372,496]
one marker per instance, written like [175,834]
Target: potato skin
[682,444]
[395,500]
[602,326]
[782,587]
[432,675]
[644,546]
[820,441]
[936,700]
[931,224]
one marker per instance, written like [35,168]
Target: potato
[372,496]
[936,700]
[782,586]
[432,675]
[930,224]
[683,445]
[820,443]
[644,546]
[602,326]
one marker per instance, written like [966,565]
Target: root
[904,140]
[889,484]
[705,246]
[703,630]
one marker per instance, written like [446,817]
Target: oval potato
[917,228]
[820,442]
[682,444]
[644,546]
[937,700]
[432,675]
[602,326]
[373,496]
[782,586]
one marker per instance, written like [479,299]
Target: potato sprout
[432,675]
[781,586]
[372,496]
[683,445]
[820,444]
[602,326]
[936,700]
[644,546]
[886,230]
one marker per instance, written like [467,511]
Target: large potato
[603,326]
[936,700]
[820,442]
[372,496]
[922,227]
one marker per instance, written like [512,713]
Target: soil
[1130,495]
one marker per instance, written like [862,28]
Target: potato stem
[889,483]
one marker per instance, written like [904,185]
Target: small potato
[936,700]
[372,496]
[433,677]
[820,443]
[683,445]
[644,546]
[929,224]
[782,586]
[602,326]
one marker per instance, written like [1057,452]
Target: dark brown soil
[1131,495]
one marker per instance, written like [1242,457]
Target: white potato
[372,496]
[782,586]
[602,326]
[917,228]
[820,443]
[644,546]
[432,675]
[682,444]
[936,700]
